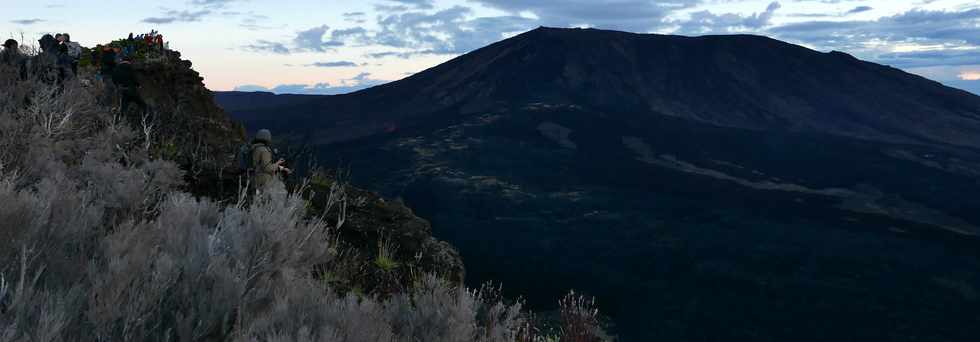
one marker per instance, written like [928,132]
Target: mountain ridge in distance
[701,187]
[740,81]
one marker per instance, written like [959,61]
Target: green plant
[385,260]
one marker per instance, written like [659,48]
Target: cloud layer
[359,82]
[913,38]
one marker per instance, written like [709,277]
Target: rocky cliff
[204,140]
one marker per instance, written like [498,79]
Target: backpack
[245,163]
[74,50]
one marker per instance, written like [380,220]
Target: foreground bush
[98,243]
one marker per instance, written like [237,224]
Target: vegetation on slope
[100,239]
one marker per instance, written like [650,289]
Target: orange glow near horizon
[970,76]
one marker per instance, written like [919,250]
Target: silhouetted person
[158,41]
[49,65]
[124,77]
[11,53]
[73,52]
[48,44]
[265,169]
[95,56]
[62,47]
[107,63]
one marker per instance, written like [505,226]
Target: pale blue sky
[305,46]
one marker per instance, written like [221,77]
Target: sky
[333,47]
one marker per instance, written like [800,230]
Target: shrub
[98,242]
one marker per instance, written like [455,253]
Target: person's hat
[263,135]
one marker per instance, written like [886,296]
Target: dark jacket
[48,44]
[11,57]
[108,62]
[95,57]
[124,76]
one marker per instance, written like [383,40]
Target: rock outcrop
[202,138]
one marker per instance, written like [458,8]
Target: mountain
[703,188]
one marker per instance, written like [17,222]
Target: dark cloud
[705,22]
[359,82]
[916,59]
[265,46]
[172,16]
[629,15]
[447,31]
[355,17]
[312,40]
[356,35]
[400,54]
[315,39]
[860,9]
[918,26]
[949,37]
[418,4]
[338,64]
[27,21]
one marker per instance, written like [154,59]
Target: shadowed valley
[703,188]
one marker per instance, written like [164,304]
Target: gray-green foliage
[98,243]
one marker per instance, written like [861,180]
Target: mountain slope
[734,81]
[704,188]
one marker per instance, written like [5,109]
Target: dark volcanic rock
[372,218]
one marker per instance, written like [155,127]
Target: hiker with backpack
[258,161]
[74,52]
[50,65]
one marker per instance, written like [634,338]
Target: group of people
[153,40]
[115,69]
[57,60]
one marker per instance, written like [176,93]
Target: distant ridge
[741,81]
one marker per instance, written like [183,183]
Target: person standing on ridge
[158,41]
[62,48]
[11,53]
[265,169]
[51,64]
[125,78]
[107,63]
[12,56]
[74,52]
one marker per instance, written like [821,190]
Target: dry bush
[579,318]
[98,243]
